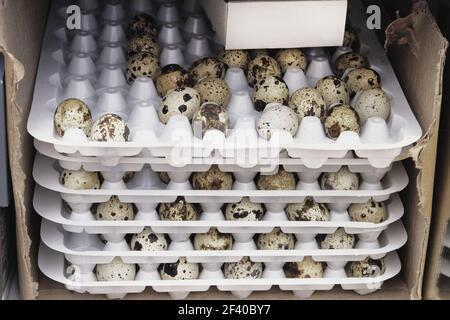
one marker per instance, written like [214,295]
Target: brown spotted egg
[307,268]
[333,90]
[341,118]
[179,210]
[308,102]
[143,43]
[338,240]
[72,114]
[214,90]
[254,53]
[270,89]
[183,101]
[367,268]
[79,180]
[211,116]
[142,65]
[110,127]
[142,24]
[172,77]
[261,67]
[372,211]
[343,179]
[372,103]
[244,211]
[349,60]
[207,68]
[244,269]
[277,118]
[351,40]
[117,270]
[291,58]
[362,79]
[308,210]
[276,240]
[213,240]
[114,210]
[236,58]
[147,240]
[180,270]
[213,179]
[282,180]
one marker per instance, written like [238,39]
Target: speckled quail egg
[236,58]
[362,79]
[282,180]
[179,210]
[349,60]
[261,67]
[164,177]
[142,65]
[143,43]
[72,114]
[183,101]
[291,58]
[117,270]
[211,116]
[207,68]
[180,270]
[79,180]
[142,24]
[307,102]
[213,240]
[270,89]
[372,103]
[276,240]
[214,90]
[372,211]
[338,240]
[244,269]
[172,77]
[343,179]
[128,176]
[245,211]
[147,240]
[277,117]
[308,210]
[368,268]
[254,53]
[340,118]
[351,40]
[114,210]
[308,268]
[333,90]
[110,127]
[213,179]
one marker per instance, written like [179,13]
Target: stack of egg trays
[88,65]
[100,47]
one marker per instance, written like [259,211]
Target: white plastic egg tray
[53,265]
[89,66]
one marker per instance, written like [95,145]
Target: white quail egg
[245,211]
[308,102]
[277,117]
[117,270]
[213,240]
[271,89]
[72,114]
[147,240]
[261,67]
[244,269]
[110,128]
[341,118]
[333,90]
[308,210]
[172,77]
[214,90]
[183,101]
[340,180]
[79,180]
[142,64]
[338,240]
[349,60]
[142,24]
[307,268]
[207,68]
[282,180]
[276,240]
[179,210]
[373,212]
[211,116]
[213,179]
[287,58]
[114,210]
[143,43]
[180,270]
[362,79]
[368,268]
[236,58]
[372,103]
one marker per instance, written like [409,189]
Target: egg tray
[146,190]
[90,68]
[49,205]
[52,265]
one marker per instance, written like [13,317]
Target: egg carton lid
[52,265]
[48,205]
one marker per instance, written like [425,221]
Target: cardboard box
[268,24]
[419,66]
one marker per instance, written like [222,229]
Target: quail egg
[308,268]
[291,58]
[308,210]
[147,240]
[351,40]
[110,128]
[180,270]
[164,177]
[183,101]
[128,176]
[244,269]
[117,270]
[211,116]
[277,117]
[172,77]
[142,65]
[282,180]
[214,90]
[179,210]
[340,180]
[261,67]
[333,90]
[308,102]
[142,24]
[79,180]
[114,210]
[245,211]
[349,60]
[254,53]
[373,212]
[372,103]
[236,58]
[72,114]
[368,268]
[362,79]
[340,118]
[338,240]
[207,68]
[213,240]
[143,43]
[213,179]
[270,89]
[276,240]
